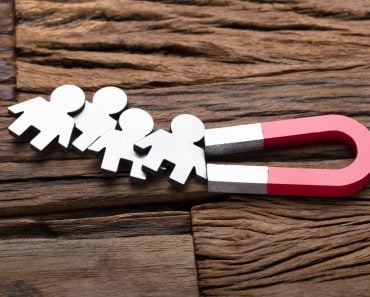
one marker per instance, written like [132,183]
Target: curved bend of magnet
[283,180]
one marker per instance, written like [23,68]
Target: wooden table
[67,230]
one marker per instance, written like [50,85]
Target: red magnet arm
[318,182]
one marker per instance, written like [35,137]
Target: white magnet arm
[237,179]
[236,139]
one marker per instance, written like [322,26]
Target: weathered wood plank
[134,251]
[138,44]
[7,40]
[96,224]
[79,193]
[257,246]
[136,266]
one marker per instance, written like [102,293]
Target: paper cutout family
[133,141]
[68,109]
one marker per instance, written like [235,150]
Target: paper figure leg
[110,164]
[137,174]
[180,175]
[19,126]
[152,162]
[41,141]
[83,141]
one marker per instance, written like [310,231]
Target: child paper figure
[52,118]
[96,118]
[177,148]
[119,145]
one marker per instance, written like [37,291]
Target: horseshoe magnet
[289,181]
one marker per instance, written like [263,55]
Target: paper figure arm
[23,106]
[144,144]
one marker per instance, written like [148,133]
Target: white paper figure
[177,148]
[52,118]
[119,145]
[96,118]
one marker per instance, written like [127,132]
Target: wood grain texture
[137,44]
[228,62]
[132,251]
[7,44]
[93,224]
[257,246]
[98,267]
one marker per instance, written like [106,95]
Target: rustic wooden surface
[228,62]
[99,267]
[7,67]
[116,252]
[283,247]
